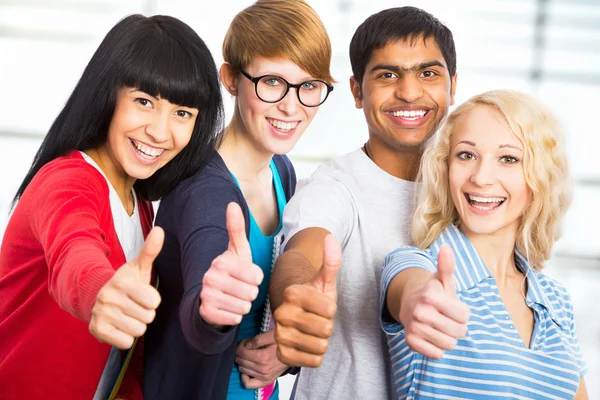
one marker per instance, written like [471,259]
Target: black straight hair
[161,56]
[396,24]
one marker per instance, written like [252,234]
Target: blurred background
[549,48]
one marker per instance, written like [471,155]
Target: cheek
[182,137]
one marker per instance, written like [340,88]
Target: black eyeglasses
[273,88]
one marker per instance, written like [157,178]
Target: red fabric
[60,247]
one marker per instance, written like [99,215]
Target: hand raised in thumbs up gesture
[126,304]
[304,321]
[231,283]
[432,314]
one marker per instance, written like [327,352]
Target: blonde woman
[468,312]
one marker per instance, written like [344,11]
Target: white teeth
[148,151]
[487,199]
[281,125]
[409,114]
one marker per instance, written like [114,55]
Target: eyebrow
[414,68]
[141,91]
[502,146]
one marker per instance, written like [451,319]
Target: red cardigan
[60,247]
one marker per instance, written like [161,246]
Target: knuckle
[328,328]
[291,294]
[322,346]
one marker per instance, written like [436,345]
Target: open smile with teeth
[282,125]
[409,115]
[485,203]
[147,151]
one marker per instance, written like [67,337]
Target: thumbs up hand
[304,321]
[126,304]
[433,316]
[231,283]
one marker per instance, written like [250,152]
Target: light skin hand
[127,303]
[304,320]
[231,283]
[257,360]
[432,314]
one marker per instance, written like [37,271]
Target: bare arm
[582,393]
[304,296]
[302,258]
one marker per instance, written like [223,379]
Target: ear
[453,88]
[356,90]
[229,78]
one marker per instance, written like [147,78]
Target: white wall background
[550,48]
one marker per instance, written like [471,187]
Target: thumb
[261,340]
[445,271]
[150,250]
[325,279]
[236,227]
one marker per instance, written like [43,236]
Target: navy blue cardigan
[184,357]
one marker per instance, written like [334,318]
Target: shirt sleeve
[202,237]
[65,216]
[325,203]
[397,261]
[583,368]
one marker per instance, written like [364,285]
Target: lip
[282,135]
[139,157]
[478,211]
[409,123]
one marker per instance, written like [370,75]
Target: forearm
[291,268]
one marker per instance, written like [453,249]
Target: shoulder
[70,173]
[204,195]
[556,298]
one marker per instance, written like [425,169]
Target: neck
[401,163]
[116,175]
[245,158]
[497,251]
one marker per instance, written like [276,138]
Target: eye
[388,75]
[144,102]
[273,80]
[183,114]
[509,160]
[465,155]
[428,74]
[309,86]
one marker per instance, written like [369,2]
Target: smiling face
[272,127]
[405,93]
[146,133]
[486,175]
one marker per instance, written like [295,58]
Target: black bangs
[164,66]
[161,56]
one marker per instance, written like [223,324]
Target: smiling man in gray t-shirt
[404,78]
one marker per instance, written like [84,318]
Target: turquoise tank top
[262,255]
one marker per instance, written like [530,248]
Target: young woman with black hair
[144,115]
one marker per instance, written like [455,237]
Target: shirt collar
[471,270]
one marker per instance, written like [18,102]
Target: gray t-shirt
[369,212]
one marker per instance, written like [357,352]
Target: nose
[290,103]
[484,173]
[158,128]
[409,89]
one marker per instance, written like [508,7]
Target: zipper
[267,319]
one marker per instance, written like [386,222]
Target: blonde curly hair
[545,168]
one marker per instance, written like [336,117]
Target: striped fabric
[491,361]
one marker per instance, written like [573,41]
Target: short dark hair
[395,24]
[159,55]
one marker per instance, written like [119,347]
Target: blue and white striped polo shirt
[491,361]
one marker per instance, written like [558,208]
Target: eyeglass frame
[296,86]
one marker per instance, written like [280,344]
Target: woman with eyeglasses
[212,336]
